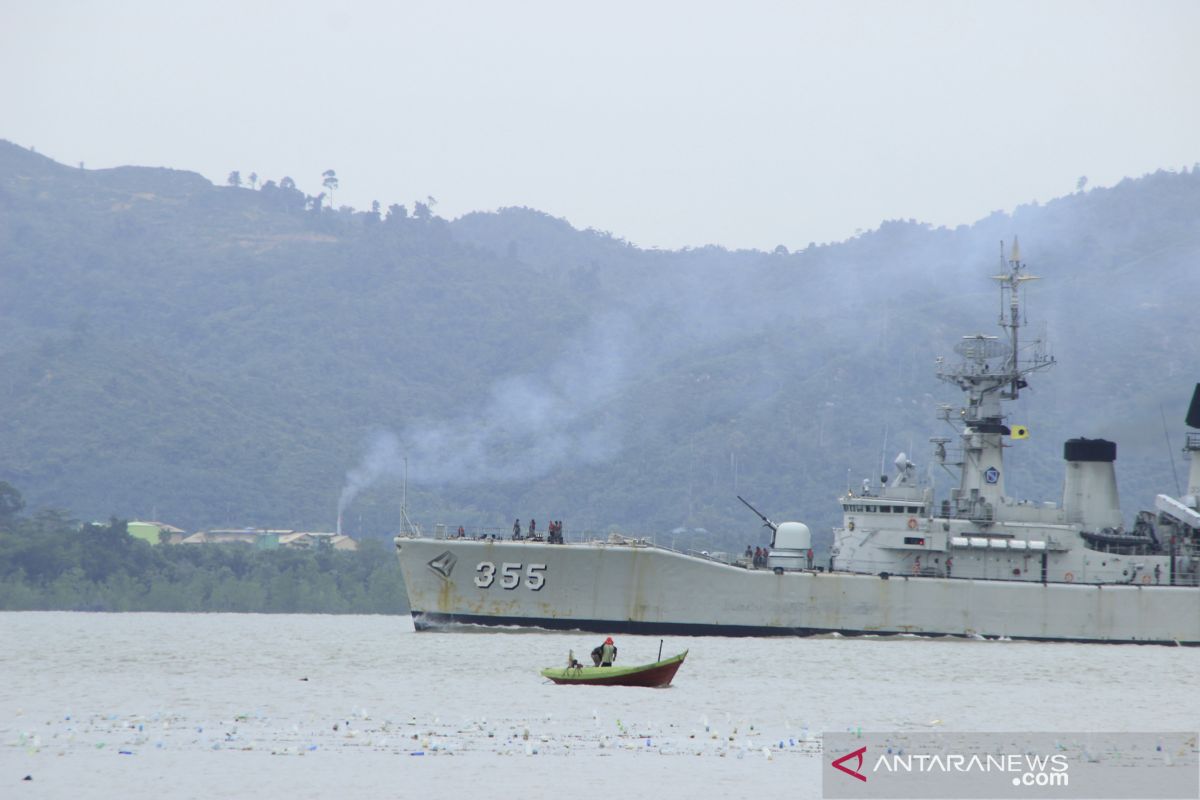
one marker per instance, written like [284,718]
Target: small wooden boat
[657,674]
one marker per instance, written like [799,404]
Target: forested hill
[225,355]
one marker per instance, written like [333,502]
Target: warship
[977,563]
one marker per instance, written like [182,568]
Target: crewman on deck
[608,653]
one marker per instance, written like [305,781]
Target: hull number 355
[510,575]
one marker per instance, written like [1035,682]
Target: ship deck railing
[1182,579]
[594,538]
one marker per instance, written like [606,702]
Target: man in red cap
[608,653]
[605,654]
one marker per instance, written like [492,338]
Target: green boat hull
[658,674]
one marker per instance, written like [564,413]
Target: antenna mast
[1010,282]
[406,526]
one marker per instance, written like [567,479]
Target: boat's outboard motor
[1090,490]
[793,540]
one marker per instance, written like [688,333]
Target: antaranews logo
[905,765]
[840,763]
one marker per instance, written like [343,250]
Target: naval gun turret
[791,542]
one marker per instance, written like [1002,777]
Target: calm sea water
[226,705]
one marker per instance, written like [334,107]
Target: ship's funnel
[1193,415]
[1090,490]
[1192,448]
[1193,488]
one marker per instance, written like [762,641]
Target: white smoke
[383,460]
[531,425]
[525,427]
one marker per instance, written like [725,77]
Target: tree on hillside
[11,504]
[397,213]
[1081,183]
[105,549]
[421,211]
[253,180]
[235,178]
[284,196]
[330,183]
[51,519]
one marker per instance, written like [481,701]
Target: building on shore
[271,538]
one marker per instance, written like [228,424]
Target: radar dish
[981,348]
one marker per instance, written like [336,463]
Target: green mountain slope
[220,356]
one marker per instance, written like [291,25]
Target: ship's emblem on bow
[444,564]
[991,475]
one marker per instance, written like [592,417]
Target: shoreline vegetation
[49,562]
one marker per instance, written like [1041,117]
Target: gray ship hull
[624,588]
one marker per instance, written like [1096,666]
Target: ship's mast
[1010,283]
[406,526]
[991,370]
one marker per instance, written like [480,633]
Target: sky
[668,124]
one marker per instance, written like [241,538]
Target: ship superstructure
[979,531]
[975,563]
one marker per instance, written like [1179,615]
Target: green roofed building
[152,532]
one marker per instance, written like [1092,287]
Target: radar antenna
[1010,283]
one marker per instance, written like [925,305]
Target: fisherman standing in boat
[605,654]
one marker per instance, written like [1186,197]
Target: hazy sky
[747,124]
